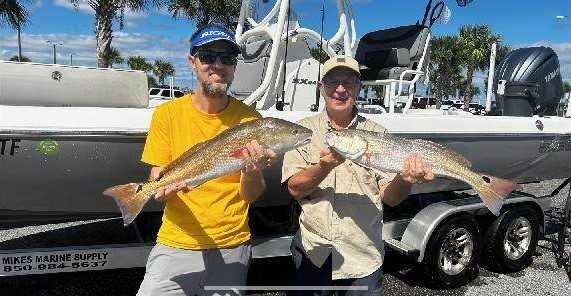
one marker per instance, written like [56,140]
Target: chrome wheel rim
[456,251]
[517,238]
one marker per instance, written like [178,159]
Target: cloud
[563,51]
[152,47]
[37,4]
[83,7]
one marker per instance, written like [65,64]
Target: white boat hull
[101,147]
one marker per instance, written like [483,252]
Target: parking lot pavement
[401,276]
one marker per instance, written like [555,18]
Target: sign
[72,259]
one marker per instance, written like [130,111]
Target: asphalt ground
[401,276]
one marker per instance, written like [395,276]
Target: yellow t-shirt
[213,215]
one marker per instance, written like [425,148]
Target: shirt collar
[352,124]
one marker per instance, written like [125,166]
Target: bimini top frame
[265,29]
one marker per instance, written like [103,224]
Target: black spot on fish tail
[486,179]
[139,188]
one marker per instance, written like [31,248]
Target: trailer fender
[418,232]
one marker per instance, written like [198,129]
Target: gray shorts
[172,271]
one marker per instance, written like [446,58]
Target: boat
[60,150]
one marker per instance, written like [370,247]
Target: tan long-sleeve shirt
[343,216]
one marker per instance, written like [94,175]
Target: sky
[154,34]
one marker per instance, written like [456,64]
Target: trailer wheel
[511,240]
[453,252]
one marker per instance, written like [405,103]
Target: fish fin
[451,153]
[238,153]
[130,199]
[493,191]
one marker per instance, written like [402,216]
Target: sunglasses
[333,84]
[209,57]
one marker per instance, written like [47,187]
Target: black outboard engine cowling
[528,82]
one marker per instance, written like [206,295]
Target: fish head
[282,135]
[347,143]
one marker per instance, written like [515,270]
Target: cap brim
[232,44]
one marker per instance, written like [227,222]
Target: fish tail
[130,198]
[493,191]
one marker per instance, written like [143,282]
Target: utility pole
[71,59]
[54,46]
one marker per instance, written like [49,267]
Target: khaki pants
[172,271]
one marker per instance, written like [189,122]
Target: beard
[215,90]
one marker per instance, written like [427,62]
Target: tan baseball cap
[340,61]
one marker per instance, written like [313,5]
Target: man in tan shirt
[339,242]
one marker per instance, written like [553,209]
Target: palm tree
[567,90]
[15,14]
[463,86]
[105,12]
[151,81]
[162,69]
[17,58]
[475,46]
[115,57]
[207,11]
[444,67]
[139,63]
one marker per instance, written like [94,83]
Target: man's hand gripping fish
[211,159]
[387,152]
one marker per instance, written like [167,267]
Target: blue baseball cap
[213,33]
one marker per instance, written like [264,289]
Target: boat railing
[278,33]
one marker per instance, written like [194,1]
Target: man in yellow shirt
[204,237]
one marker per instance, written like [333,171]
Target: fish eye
[294,132]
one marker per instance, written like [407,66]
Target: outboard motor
[528,82]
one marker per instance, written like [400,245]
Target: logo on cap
[214,33]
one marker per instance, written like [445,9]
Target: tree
[567,90]
[475,46]
[139,63]
[15,14]
[162,69]
[444,67]
[207,11]
[462,87]
[115,57]
[566,87]
[17,58]
[105,12]
[151,81]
